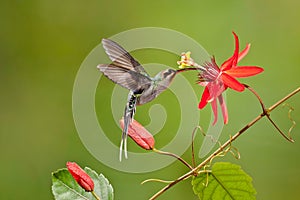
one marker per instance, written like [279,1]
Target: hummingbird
[130,74]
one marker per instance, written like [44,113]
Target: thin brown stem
[193,137]
[175,156]
[279,130]
[257,96]
[95,195]
[267,113]
[284,99]
[228,142]
[193,151]
[183,177]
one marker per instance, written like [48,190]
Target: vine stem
[266,111]
[228,142]
[284,99]
[95,195]
[175,156]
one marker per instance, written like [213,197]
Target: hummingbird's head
[159,84]
[167,76]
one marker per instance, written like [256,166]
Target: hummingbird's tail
[123,142]
[128,116]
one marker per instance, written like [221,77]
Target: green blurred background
[43,43]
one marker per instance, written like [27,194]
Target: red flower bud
[139,134]
[81,177]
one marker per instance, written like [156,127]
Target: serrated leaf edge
[52,187]
[100,176]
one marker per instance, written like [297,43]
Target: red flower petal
[216,89]
[214,107]
[232,61]
[139,134]
[243,53]
[232,82]
[227,64]
[244,71]
[224,109]
[236,51]
[81,177]
[204,98]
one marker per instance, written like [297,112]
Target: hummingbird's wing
[124,70]
[121,57]
[125,77]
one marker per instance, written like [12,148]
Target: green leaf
[226,181]
[64,187]
[102,186]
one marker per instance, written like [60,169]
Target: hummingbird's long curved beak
[188,69]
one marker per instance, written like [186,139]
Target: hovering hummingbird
[129,73]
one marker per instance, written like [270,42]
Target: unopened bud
[139,134]
[81,177]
